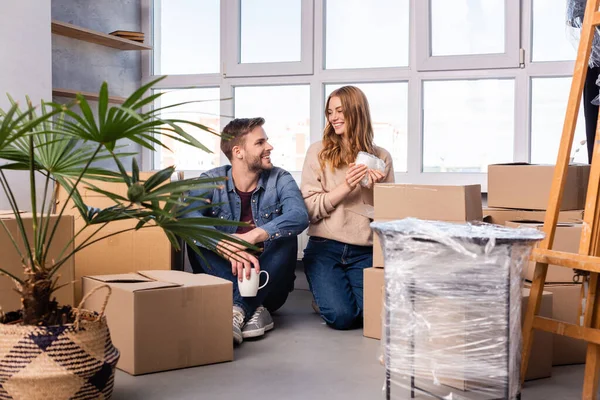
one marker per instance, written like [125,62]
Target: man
[268,199]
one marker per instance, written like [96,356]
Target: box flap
[181,278]
[133,282]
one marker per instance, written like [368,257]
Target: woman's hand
[355,174]
[375,176]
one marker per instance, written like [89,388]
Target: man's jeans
[335,274]
[278,259]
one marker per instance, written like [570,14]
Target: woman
[340,241]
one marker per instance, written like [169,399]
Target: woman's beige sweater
[338,223]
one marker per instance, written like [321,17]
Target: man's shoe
[238,324]
[260,323]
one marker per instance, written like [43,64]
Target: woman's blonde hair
[359,129]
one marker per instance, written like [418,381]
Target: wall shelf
[88,35]
[88,95]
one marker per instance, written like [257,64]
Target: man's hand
[240,260]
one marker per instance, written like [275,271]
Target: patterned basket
[75,361]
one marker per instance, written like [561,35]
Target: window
[460,27]
[203,110]
[271,31]
[467,34]
[286,110]
[552,40]
[388,103]
[381,41]
[188,41]
[453,85]
[549,98]
[467,124]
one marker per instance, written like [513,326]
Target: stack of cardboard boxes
[159,319]
[518,195]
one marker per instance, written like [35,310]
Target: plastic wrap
[574,17]
[371,162]
[453,308]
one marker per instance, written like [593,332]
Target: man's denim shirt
[277,204]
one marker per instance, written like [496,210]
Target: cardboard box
[527,186]
[500,216]
[164,320]
[566,307]
[566,238]
[442,203]
[145,249]
[9,298]
[373,300]
[540,360]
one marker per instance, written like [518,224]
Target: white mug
[249,287]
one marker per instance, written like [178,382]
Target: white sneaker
[260,322]
[238,324]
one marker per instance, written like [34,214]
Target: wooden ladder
[586,260]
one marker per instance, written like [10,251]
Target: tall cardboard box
[164,320]
[144,249]
[373,300]
[527,186]
[500,216]
[11,262]
[566,306]
[566,238]
[442,203]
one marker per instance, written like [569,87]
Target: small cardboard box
[374,289]
[147,248]
[566,238]
[9,298]
[442,203]
[164,320]
[527,186]
[500,216]
[566,308]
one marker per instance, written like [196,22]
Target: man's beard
[256,164]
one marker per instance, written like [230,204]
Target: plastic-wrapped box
[453,308]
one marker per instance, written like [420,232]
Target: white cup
[249,287]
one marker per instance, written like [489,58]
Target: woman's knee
[341,318]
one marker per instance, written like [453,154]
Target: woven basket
[75,361]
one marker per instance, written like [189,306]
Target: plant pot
[75,361]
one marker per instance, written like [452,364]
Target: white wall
[25,66]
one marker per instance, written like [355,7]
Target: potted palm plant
[49,350]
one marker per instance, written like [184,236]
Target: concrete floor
[303,359]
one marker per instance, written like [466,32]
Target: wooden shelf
[90,96]
[87,35]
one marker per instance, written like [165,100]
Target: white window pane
[205,111]
[461,27]
[286,110]
[366,34]
[549,97]
[468,124]
[551,38]
[388,103]
[188,38]
[271,31]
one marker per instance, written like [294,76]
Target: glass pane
[461,27]
[286,110]
[366,34]
[388,103]
[205,112]
[467,124]
[188,37]
[551,38]
[271,31]
[549,97]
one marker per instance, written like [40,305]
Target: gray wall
[25,62]
[85,66]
